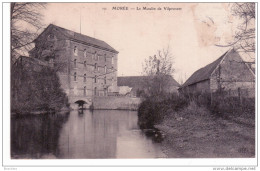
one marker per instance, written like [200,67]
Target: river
[82,135]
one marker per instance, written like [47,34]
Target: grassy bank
[196,130]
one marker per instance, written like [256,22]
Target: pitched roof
[83,38]
[138,81]
[203,73]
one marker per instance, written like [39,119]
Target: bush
[153,109]
[224,106]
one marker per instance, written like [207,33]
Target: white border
[87,162]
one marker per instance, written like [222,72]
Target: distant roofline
[178,84]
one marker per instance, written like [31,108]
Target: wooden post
[211,98]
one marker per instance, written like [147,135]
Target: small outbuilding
[229,73]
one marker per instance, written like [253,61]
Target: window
[105,69]
[105,91]
[95,66]
[112,60]
[95,55]
[95,91]
[85,77]
[85,63]
[85,91]
[95,79]
[85,53]
[75,63]
[51,36]
[105,80]
[75,76]
[105,57]
[75,50]
[51,60]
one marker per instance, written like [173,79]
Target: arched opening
[81,103]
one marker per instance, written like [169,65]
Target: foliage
[36,91]
[244,37]
[153,110]
[156,109]
[25,23]
[232,106]
[158,68]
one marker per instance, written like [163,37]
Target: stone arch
[81,103]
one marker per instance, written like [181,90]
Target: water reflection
[36,136]
[82,134]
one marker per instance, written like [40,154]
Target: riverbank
[194,132]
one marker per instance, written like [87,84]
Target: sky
[191,33]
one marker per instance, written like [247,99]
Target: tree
[25,24]
[158,69]
[244,37]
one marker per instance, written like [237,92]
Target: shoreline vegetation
[37,92]
[192,127]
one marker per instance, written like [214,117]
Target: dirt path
[207,136]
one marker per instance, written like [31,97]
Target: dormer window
[95,55]
[85,53]
[75,51]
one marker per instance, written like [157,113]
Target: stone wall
[115,102]
[78,64]
[233,75]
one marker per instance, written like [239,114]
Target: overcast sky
[191,32]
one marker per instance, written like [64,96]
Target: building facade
[229,73]
[87,67]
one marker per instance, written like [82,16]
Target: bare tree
[244,37]
[25,24]
[158,69]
